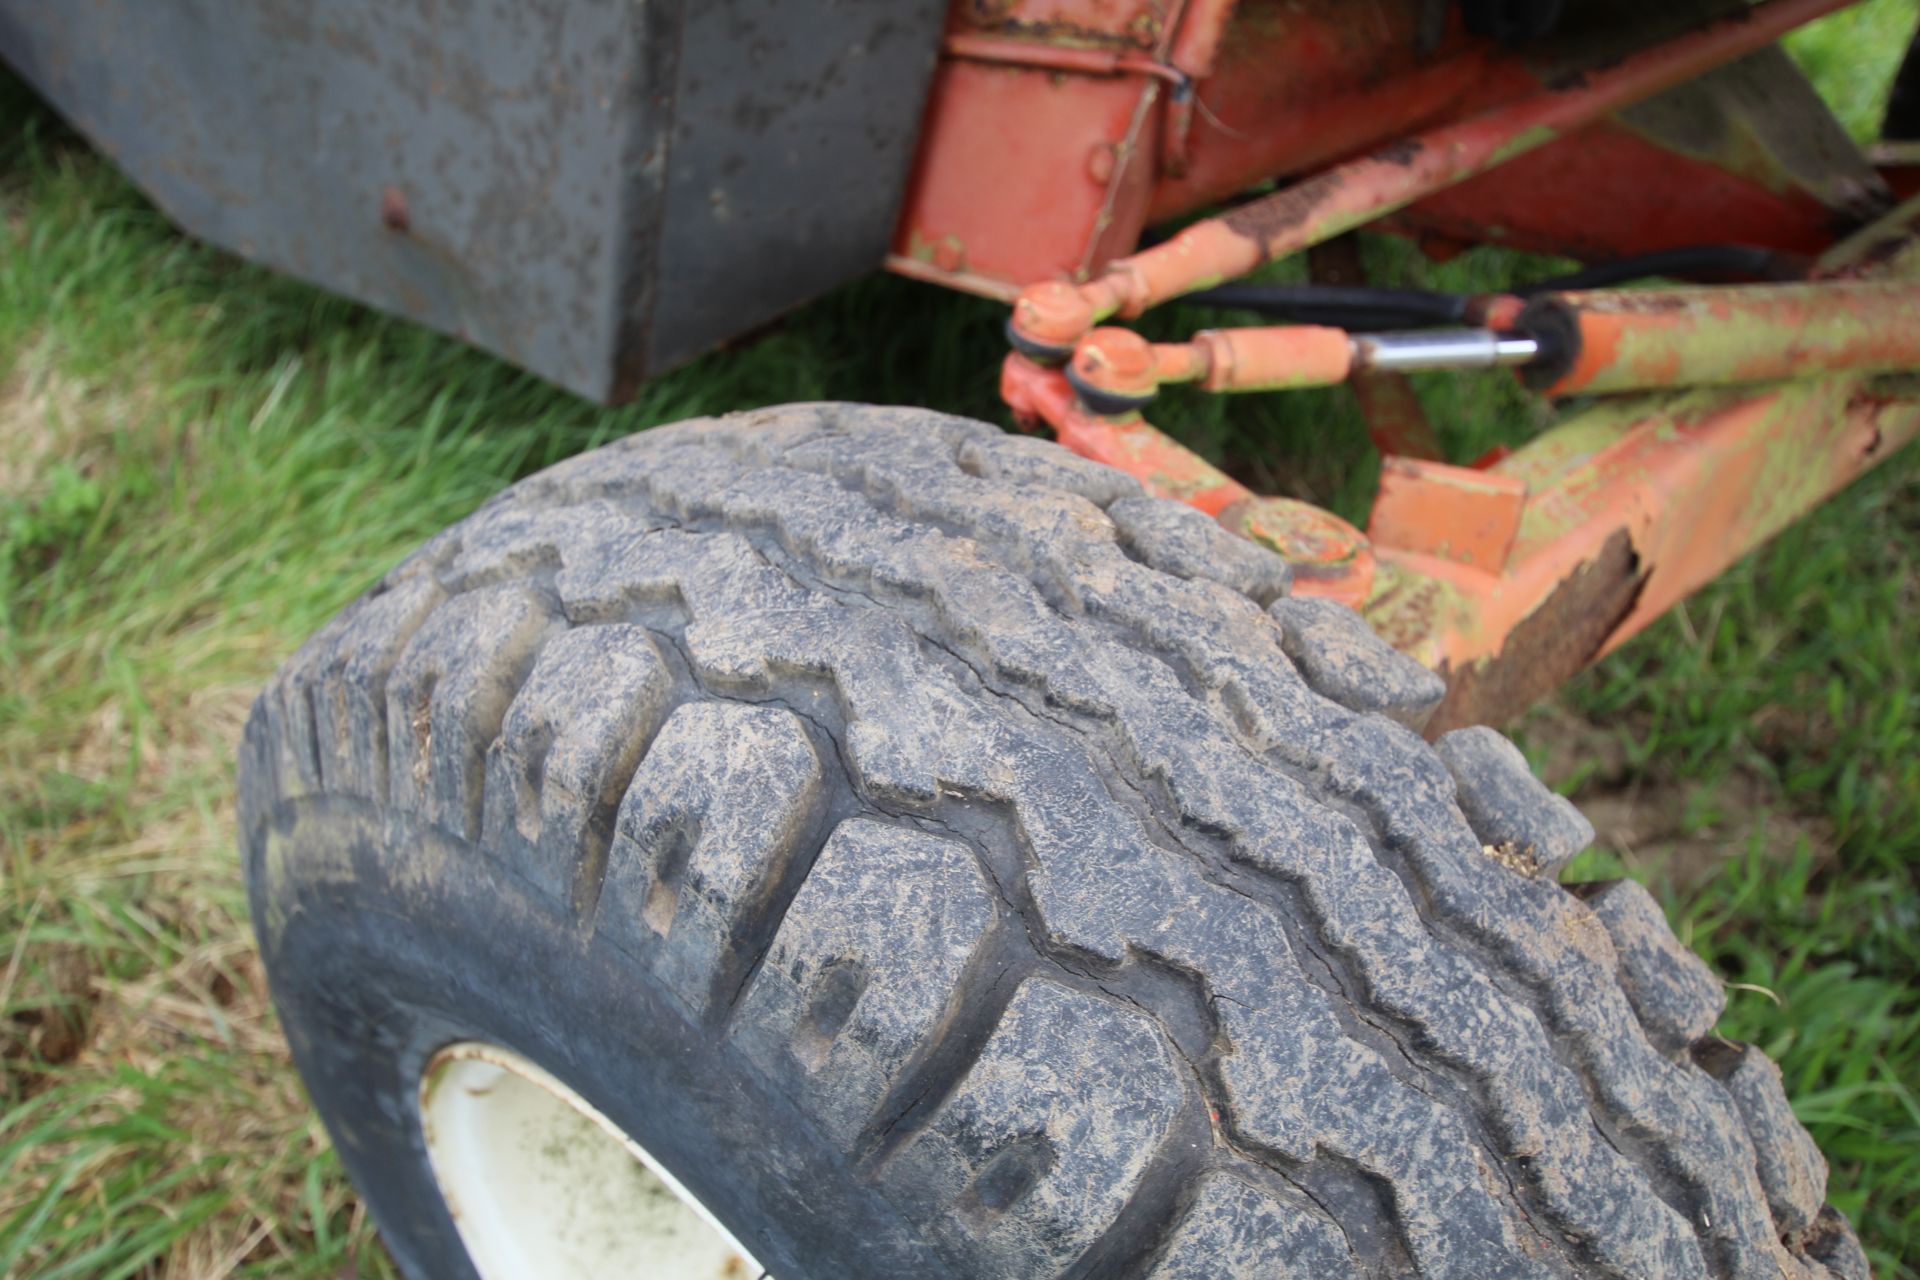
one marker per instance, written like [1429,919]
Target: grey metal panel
[793,123]
[502,169]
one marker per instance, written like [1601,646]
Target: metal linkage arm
[1116,371]
[1567,344]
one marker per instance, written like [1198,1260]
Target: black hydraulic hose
[1364,309]
[1902,121]
[1348,307]
[1512,21]
[1736,260]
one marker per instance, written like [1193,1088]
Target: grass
[200,462]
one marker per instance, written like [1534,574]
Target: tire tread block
[1519,821]
[867,965]
[1676,996]
[1186,543]
[450,692]
[1791,1167]
[1344,659]
[567,750]
[1043,1143]
[1235,1229]
[720,806]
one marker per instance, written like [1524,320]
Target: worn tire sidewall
[386,939]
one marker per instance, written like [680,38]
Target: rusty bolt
[1118,360]
[393,210]
[1330,557]
[1100,162]
[1053,312]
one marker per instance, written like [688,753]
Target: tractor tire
[943,860]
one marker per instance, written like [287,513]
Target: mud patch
[1672,831]
[48,1001]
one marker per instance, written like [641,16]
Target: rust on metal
[1099,23]
[1551,645]
[1304,205]
[393,210]
[1397,422]
[1057,57]
[1330,558]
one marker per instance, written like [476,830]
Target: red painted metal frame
[1653,199]
[1056,313]
[1059,129]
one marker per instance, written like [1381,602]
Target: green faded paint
[1888,249]
[1576,439]
[1302,382]
[920,248]
[1410,610]
[1623,466]
[1640,339]
[1563,466]
[1521,143]
[1802,457]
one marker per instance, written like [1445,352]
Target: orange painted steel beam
[1638,339]
[1639,500]
[1057,314]
[1454,513]
[1629,508]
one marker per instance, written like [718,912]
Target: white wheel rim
[542,1185]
